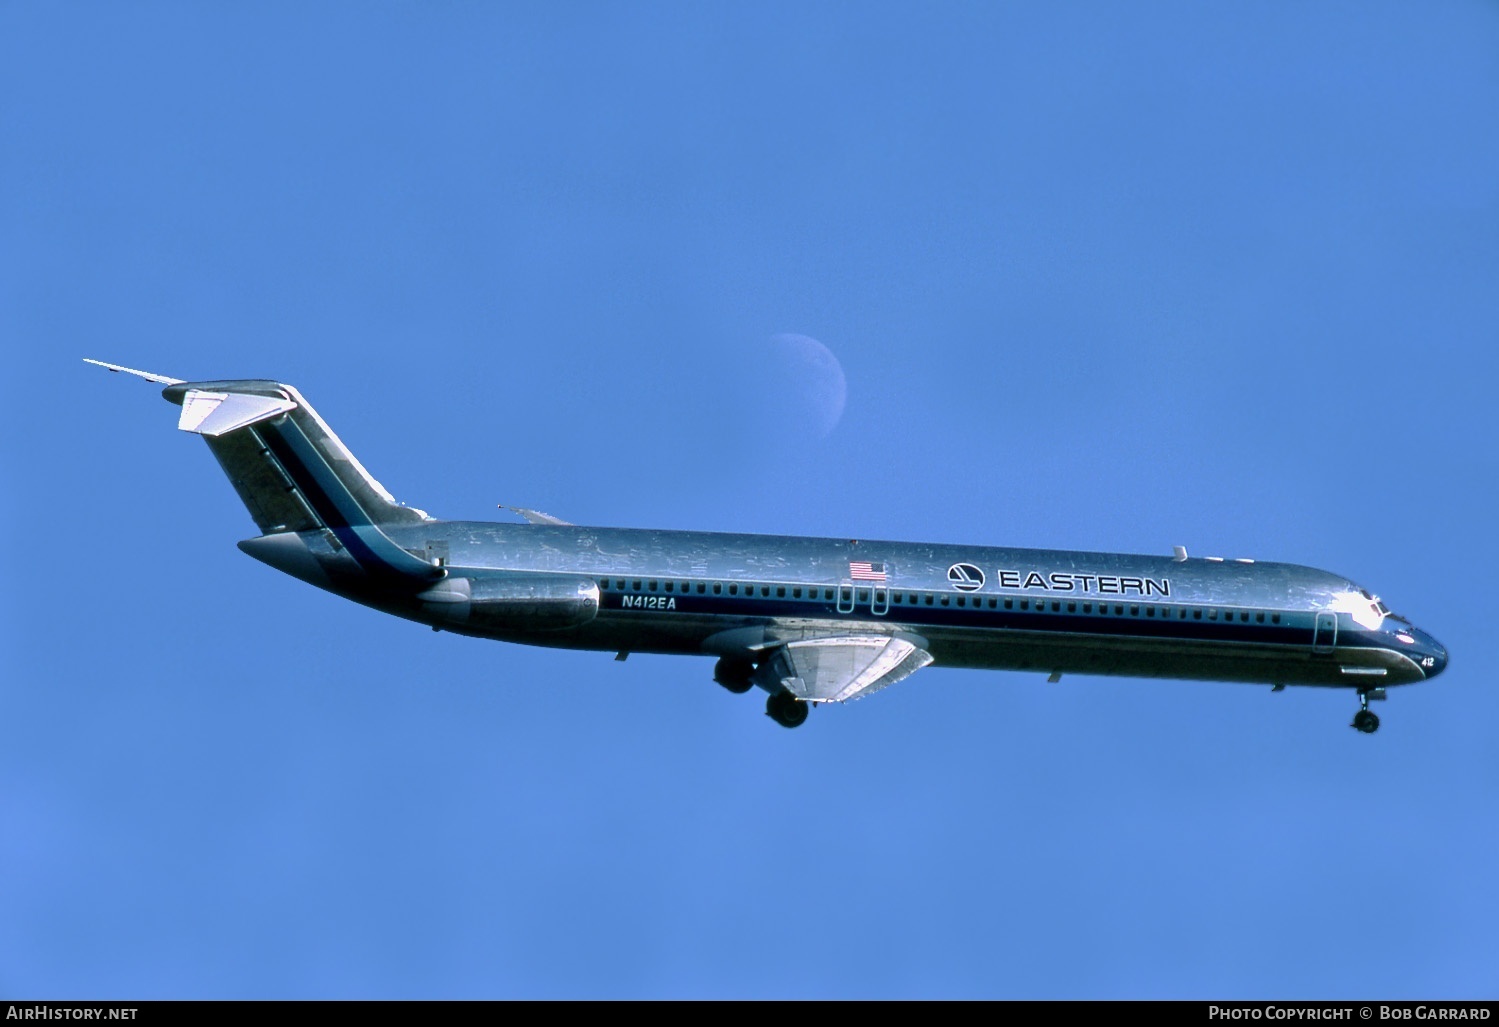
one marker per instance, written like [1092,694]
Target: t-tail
[292,472]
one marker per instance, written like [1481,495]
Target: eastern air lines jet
[807,620]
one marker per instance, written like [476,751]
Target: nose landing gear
[1365,719]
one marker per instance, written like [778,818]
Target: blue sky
[1100,276]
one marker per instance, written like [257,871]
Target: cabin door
[1325,634]
[846,597]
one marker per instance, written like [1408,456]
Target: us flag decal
[863,570]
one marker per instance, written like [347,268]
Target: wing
[536,516]
[838,669]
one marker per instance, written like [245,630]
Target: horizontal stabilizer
[218,413]
[159,379]
[292,472]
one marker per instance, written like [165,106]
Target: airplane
[806,620]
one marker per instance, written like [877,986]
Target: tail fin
[290,470]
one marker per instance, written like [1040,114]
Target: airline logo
[965,577]
[1103,584]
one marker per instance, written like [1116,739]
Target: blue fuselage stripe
[1168,624]
[328,499]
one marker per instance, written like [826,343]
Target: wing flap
[840,669]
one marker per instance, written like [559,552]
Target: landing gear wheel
[734,674]
[786,709]
[1366,721]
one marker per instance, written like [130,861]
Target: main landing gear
[1365,719]
[737,675]
[734,674]
[786,709]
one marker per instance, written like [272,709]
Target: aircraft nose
[1434,651]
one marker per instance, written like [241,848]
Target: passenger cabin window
[733,590]
[670,586]
[1275,618]
[635,585]
[780,591]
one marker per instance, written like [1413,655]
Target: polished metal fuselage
[852,615]
[1052,611]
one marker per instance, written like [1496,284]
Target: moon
[801,386]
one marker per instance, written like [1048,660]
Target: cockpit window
[1362,605]
[1365,608]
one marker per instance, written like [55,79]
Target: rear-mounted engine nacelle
[514,602]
